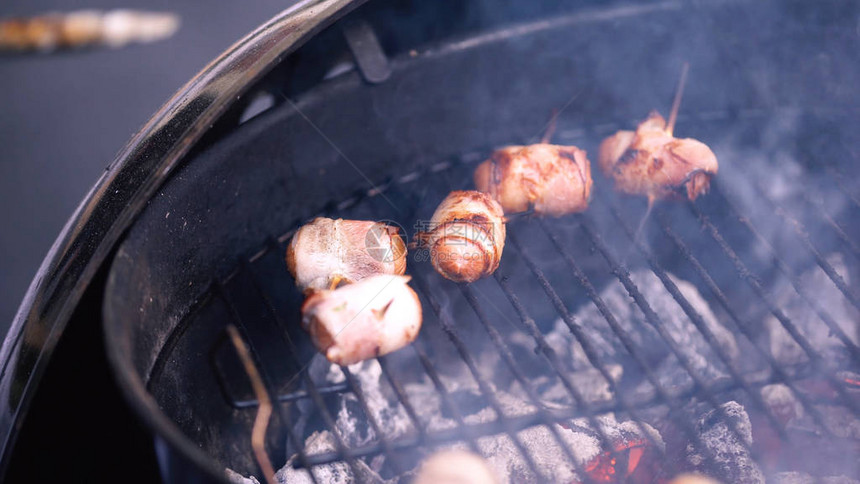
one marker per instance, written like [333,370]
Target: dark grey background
[63,117]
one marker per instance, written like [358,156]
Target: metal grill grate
[248,288]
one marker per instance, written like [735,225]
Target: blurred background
[64,115]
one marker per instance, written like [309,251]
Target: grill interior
[723,339]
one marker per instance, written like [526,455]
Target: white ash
[352,423]
[470,402]
[499,450]
[589,383]
[633,322]
[236,478]
[427,399]
[334,473]
[507,462]
[732,460]
[319,371]
[827,297]
[546,382]
[840,421]
[782,402]
[625,432]
[390,416]
[803,478]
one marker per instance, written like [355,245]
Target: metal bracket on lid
[371,60]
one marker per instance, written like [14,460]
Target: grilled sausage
[466,236]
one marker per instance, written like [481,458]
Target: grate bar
[784,321]
[449,330]
[619,332]
[291,396]
[755,283]
[592,356]
[795,282]
[742,326]
[803,235]
[834,225]
[819,259]
[551,356]
[402,397]
[554,362]
[697,321]
[234,313]
[469,432]
[622,274]
[438,437]
[839,178]
[505,352]
[444,395]
[374,424]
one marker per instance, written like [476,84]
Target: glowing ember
[620,464]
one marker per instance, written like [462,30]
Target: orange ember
[618,465]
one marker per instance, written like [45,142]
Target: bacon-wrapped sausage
[652,162]
[466,236]
[326,252]
[373,317]
[550,179]
[455,467]
[692,479]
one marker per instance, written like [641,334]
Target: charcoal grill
[709,307]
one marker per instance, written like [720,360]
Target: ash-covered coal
[822,434]
[731,454]
[830,300]
[782,403]
[645,338]
[590,384]
[335,473]
[509,399]
[236,478]
[837,419]
[548,454]
[500,451]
